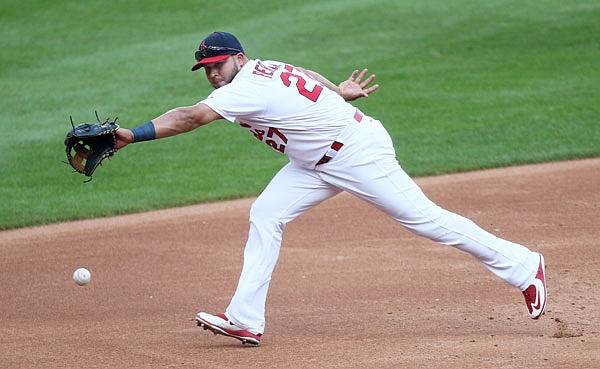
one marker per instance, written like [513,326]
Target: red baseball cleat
[220,324]
[536,294]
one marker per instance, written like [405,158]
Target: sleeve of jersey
[236,101]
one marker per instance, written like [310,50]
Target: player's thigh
[290,193]
[382,182]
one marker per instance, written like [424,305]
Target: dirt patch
[352,289]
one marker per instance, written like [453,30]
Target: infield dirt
[352,289]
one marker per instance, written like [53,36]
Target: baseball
[82,276]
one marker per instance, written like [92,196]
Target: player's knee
[261,213]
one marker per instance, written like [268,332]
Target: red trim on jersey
[358,116]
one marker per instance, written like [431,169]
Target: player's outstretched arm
[171,123]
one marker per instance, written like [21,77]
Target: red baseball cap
[216,47]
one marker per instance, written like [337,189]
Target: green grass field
[465,85]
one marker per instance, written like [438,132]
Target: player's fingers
[353,75]
[361,75]
[367,81]
[371,89]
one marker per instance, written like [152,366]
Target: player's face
[221,73]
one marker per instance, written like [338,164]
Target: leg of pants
[367,167]
[290,193]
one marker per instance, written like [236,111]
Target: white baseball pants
[366,166]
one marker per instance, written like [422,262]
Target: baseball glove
[90,143]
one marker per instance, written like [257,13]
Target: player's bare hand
[124,137]
[354,87]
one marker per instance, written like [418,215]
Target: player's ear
[241,59]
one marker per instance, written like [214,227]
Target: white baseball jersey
[284,108]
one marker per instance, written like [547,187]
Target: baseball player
[332,147]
